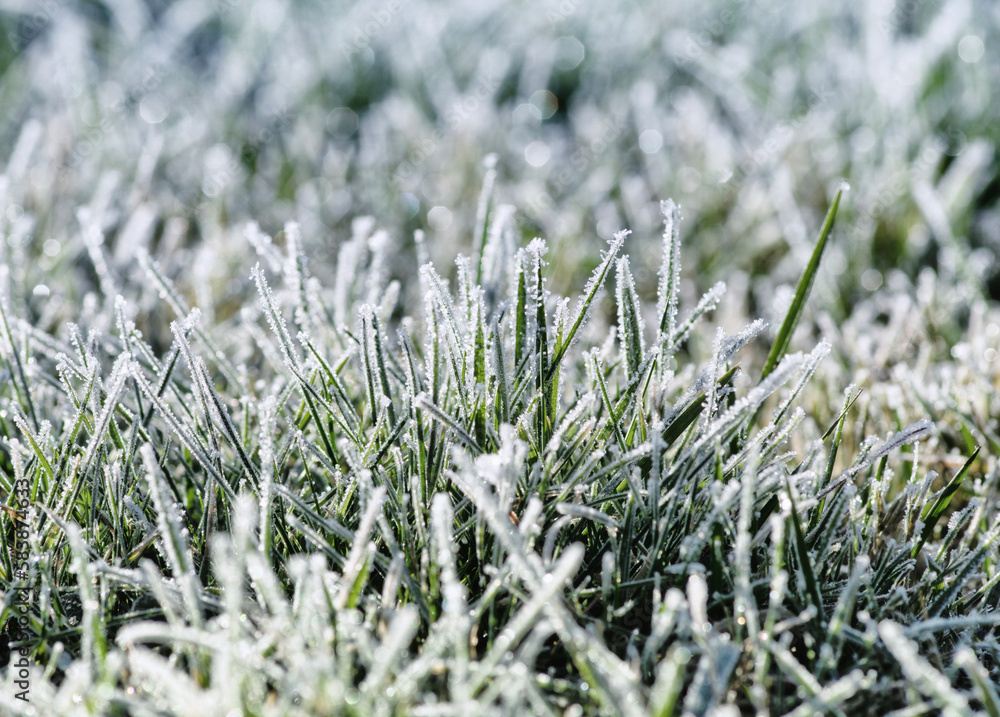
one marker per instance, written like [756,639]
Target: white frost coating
[697,595]
[530,523]
[167,290]
[365,313]
[453,593]
[668,288]
[585,511]
[182,430]
[94,240]
[913,432]
[736,412]
[295,274]
[629,318]
[594,284]
[498,254]
[263,245]
[356,558]
[445,304]
[136,233]
[714,372]
[965,658]
[664,622]
[379,245]
[538,248]
[275,319]
[572,418]
[918,671]
[126,326]
[120,373]
[707,303]
[552,584]
[266,414]
[174,536]
[820,352]
[394,645]
[276,633]
[745,602]
[443,518]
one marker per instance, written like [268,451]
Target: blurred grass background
[171,124]
[747,113]
[137,125]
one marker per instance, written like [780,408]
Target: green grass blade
[21,386]
[935,510]
[629,319]
[784,337]
[483,212]
[586,301]
[802,553]
[986,690]
[520,311]
[673,430]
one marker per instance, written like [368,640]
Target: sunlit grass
[483,503]
[332,469]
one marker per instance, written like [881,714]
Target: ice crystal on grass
[462,491]
[629,319]
[669,286]
[920,673]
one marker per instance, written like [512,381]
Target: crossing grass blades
[492,503]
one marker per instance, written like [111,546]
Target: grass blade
[784,337]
